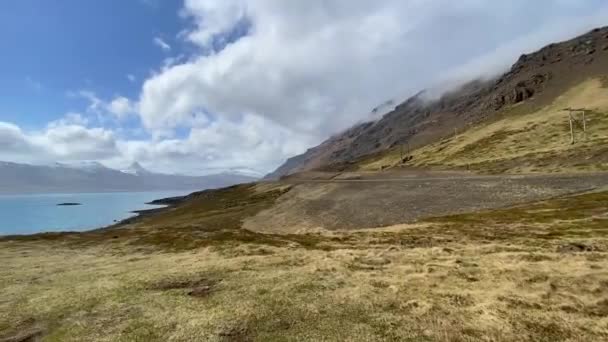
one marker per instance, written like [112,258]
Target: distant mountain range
[95,177]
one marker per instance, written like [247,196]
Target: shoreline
[164,203]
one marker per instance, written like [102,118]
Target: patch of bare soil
[575,247]
[197,287]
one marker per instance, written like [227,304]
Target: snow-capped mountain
[135,169]
[89,166]
[95,177]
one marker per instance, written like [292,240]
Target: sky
[205,86]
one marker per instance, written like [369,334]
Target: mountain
[136,169]
[533,82]
[89,166]
[95,177]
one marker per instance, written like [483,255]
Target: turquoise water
[28,214]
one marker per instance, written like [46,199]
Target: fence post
[584,125]
[571,129]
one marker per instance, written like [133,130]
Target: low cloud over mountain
[247,84]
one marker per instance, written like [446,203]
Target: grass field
[537,272]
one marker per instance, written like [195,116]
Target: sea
[36,213]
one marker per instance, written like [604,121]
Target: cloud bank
[269,79]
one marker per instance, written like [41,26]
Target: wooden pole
[584,125]
[571,129]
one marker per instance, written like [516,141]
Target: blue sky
[200,86]
[54,47]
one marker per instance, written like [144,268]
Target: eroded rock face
[521,91]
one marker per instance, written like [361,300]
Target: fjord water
[29,214]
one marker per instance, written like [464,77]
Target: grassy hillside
[521,141]
[527,273]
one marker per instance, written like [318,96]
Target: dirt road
[365,200]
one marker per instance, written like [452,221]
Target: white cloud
[13,142]
[121,107]
[62,140]
[70,119]
[317,67]
[95,103]
[162,44]
[75,142]
[212,18]
[171,61]
[251,142]
[131,78]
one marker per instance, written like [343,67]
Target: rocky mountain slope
[532,83]
[522,142]
[94,177]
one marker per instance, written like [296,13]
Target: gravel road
[357,201]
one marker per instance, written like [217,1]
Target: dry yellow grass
[533,273]
[532,142]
